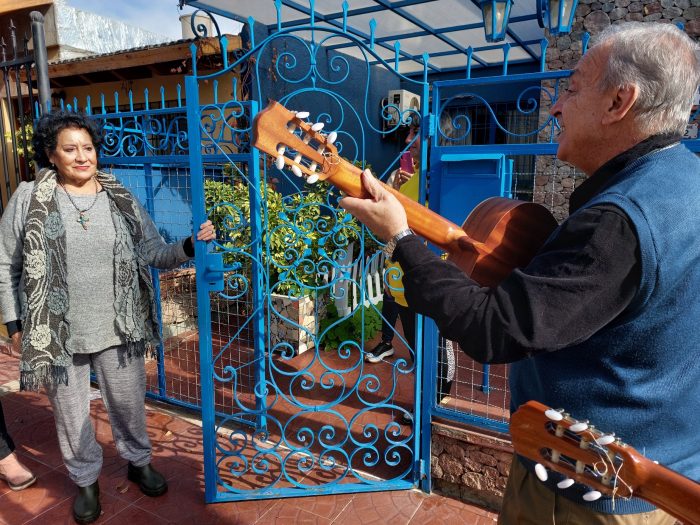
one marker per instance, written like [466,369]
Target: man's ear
[621,103]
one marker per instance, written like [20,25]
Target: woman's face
[75,157]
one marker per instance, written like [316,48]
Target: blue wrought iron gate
[289,405]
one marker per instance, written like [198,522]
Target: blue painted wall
[352,77]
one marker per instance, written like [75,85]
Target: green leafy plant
[351,328]
[25,150]
[300,231]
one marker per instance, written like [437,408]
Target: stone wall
[556,179]
[470,466]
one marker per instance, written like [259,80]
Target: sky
[159,16]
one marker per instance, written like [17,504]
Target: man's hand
[16,346]
[382,213]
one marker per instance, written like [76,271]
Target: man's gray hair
[663,62]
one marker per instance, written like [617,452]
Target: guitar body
[507,234]
[499,235]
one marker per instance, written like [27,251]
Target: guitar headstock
[576,449]
[294,142]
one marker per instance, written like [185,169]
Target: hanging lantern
[556,15]
[495,13]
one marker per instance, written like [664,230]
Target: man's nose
[555,109]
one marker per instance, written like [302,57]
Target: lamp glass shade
[495,13]
[560,15]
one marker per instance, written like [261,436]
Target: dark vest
[639,376]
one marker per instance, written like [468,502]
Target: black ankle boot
[86,507]
[150,481]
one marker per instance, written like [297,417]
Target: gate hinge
[431,124]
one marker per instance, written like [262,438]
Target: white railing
[346,290]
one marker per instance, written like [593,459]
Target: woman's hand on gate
[206,232]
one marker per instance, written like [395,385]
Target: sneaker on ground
[379,352]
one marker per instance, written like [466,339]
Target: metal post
[41,60]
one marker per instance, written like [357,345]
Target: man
[602,321]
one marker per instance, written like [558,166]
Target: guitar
[498,235]
[599,460]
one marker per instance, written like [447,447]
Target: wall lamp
[555,15]
[495,13]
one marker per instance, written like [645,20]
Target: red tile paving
[178,454]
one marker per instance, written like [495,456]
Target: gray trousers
[123,386]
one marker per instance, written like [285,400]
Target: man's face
[579,111]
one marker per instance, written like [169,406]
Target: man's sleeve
[581,280]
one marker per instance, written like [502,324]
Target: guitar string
[605,459]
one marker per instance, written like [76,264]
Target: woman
[16,475]
[76,293]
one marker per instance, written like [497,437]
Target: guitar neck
[426,223]
[668,490]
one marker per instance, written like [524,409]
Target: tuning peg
[297,158]
[302,114]
[330,139]
[554,415]
[541,472]
[605,439]
[279,162]
[565,483]
[317,127]
[579,426]
[281,150]
[296,170]
[312,178]
[592,495]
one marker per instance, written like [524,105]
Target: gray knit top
[89,265]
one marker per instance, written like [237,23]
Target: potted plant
[303,233]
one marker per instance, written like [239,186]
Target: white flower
[40,337]
[45,189]
[35,264]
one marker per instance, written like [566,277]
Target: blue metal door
[289,290]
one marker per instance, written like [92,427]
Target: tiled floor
[177,453]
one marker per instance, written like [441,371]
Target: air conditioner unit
[398,105]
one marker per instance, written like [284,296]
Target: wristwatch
[391,243]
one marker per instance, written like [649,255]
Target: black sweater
[594,260]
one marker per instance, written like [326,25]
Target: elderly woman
[76,294]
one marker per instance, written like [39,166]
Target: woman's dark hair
[50,125]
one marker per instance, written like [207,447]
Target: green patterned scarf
[45,358]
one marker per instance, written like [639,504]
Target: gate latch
[214,272]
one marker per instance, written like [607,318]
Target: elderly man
[603,320]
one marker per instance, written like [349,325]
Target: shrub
[351,328]
[301,231]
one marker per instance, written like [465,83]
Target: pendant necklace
[82,218]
